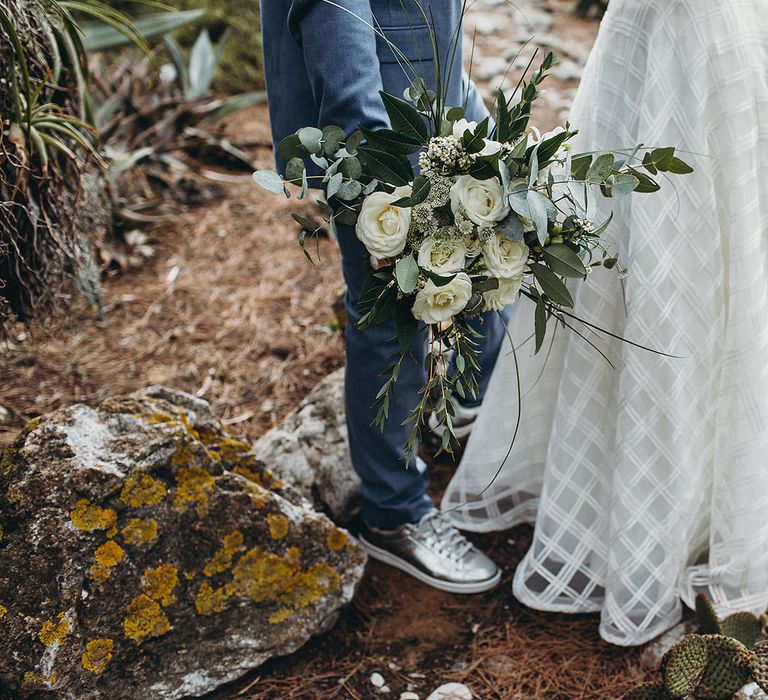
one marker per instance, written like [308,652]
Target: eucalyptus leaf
[538,204]
[601,168]
[290,147]
[512,228]
[407,274]
[349,190]
[353,142]
[454,114]
[294,170]
[624,183]
[269,180]
[332,138]
[311,139]
[351,167]
[679,167]
[333,185]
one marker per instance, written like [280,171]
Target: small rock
[408,695]
[5,414]
[751,692]
[385,689]
[309,449]
[451,691]
[568,70]
[484,23]
[377,680]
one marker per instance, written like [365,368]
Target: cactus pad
[707,616]
[744,626]
[760,665]
[649,691]
[708,667]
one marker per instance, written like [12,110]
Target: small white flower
[382,228]
[491,147]
[503,258]
[435,304]
[443,257]
[506,294]
[461,126]
[482,200]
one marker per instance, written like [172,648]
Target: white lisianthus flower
[483,201]
[442,257]
[503,258]
[435,304]
[461,126]
[506,294]
[382,228]
[491,147]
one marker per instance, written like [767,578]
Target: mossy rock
[144,552]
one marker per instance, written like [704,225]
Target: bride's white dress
[649,483]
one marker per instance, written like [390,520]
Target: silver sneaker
[463,421]
[434,552]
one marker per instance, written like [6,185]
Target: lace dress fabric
[649,483]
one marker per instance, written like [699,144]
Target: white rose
[382,228]
[461,126]
[442,257]
[435,304]
[473,245]
[505,259]
[506,294]
[491,147]
[483,200]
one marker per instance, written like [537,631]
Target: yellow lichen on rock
[265,577]
[98,653]
[222,559]
[232,449]
[144,618]
[32,681]
[158,583]
[54,632]
[265,480]
[210,600]
[278,526]
[280,616]
[88,516]
[107,556]
[192,487]
[188,426]
[140,531]
[161,418]
[141,489]
[336,539]
[3,611]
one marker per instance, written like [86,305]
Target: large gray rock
[309,449]
[145,553]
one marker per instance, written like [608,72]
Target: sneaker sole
[461,588]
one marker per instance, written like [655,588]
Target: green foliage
[742,626]
[242,64]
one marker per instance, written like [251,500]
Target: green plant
[742,626]
[195,75]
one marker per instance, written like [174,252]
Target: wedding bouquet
[495,211]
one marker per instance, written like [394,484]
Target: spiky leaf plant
[706,667]
[742,626]
[760,665]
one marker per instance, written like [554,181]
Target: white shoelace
[444,537]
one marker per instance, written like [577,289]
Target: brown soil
[249,325]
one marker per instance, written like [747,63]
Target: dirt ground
[229,309]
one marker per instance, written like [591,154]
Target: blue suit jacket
[325,64]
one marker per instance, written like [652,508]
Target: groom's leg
[393,493]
